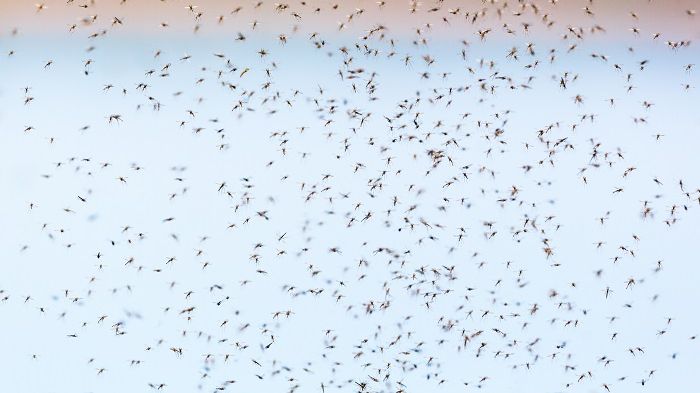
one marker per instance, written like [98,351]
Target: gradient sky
[67,99]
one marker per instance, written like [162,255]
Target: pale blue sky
[65,100]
